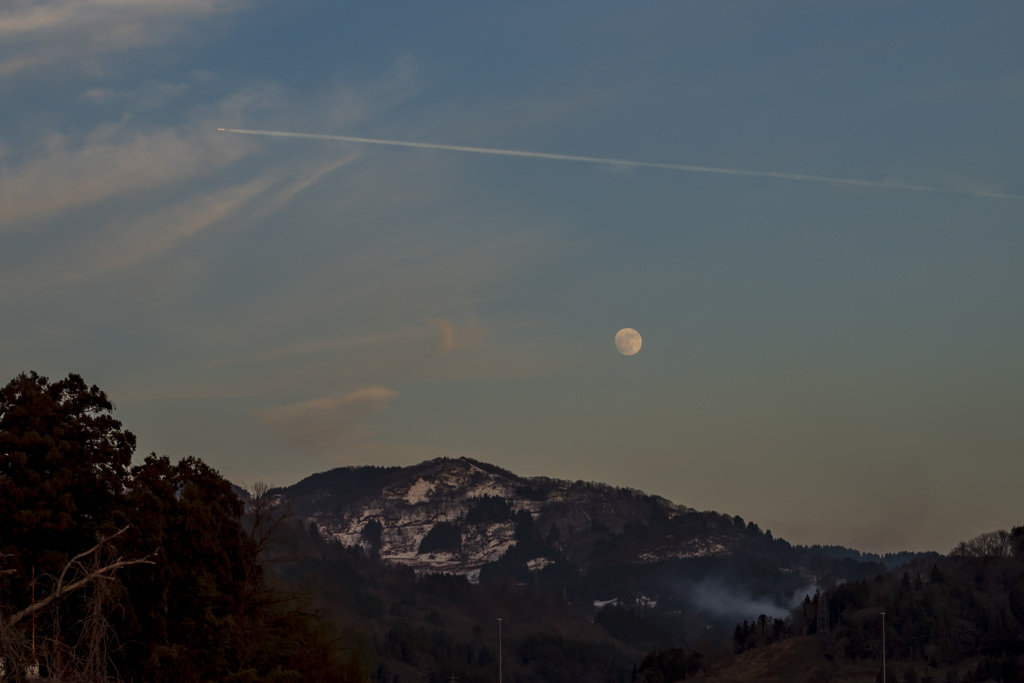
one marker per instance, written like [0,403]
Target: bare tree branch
[95,549]
[60,590]
[988,545]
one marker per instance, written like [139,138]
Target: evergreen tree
[63,468]
[192,606]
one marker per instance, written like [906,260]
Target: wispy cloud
[150,95]
[81,205]
[171,225]
[320,424]
[47,32]
[369,279]
[111,161]
[446,340]
[329,345]
[124,245]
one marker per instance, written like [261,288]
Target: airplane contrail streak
[625,162]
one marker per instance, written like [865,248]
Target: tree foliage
[152,572]
[443,537]
[64,464]
[489,509]
[991,544]
[963,610]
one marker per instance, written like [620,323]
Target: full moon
[628,341]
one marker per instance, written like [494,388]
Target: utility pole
[499,650]
[883,647]
[33,614]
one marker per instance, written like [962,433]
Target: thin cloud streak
[113,161]
[324,424]
[447,340]
[629,163]
[40,33]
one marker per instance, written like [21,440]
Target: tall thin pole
[499,650]
[33,614]
[883,647]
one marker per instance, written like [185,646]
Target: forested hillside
[954,619]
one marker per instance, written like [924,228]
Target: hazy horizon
[810,213]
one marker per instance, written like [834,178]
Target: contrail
[632,164]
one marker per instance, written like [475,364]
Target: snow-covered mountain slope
[458,515]
[600,548]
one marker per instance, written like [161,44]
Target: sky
[839,363]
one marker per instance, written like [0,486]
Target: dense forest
[956,619]
[113,568]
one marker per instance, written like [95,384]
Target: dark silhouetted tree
[64,465]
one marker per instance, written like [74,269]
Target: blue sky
[840,364]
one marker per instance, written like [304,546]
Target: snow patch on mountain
[696,548]
[419,492]
[538,563]
[570,515]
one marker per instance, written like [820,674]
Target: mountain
[599,547]
[458,515]
[586,581]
